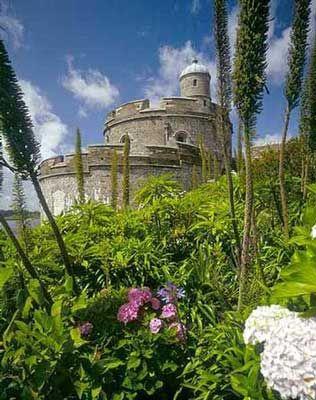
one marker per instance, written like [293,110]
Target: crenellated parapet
[99,157]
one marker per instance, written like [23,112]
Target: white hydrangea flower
[288,361]
[261,321]
[313,232]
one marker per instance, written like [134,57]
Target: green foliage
[297,280]
[185,238]
[223,367]
[79,168]
[156,188]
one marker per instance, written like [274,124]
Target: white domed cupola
[195,80]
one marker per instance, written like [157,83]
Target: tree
[19,208]
[114,171]
[126,171]
[21,144]
[224,92]
[248,84]
[79,168]
[293,86]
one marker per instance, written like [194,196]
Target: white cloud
[48,127]
[91,88]
[172,61]
[277,56]
[50,131]
[11,25]
[267,139]
[270,139]
[195,6]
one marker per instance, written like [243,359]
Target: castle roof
[195,67]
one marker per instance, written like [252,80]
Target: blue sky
[78,59]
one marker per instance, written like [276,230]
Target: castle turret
[195,81]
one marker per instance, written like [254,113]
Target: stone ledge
[210,116]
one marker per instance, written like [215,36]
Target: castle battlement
[99,156]
[143,109]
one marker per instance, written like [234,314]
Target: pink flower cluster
[137,299]
[141,299]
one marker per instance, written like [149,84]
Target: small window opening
[205,103]
[123,138]
[194,82]
[181,137]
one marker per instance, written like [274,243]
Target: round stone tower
[195,81]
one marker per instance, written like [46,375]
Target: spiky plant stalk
[216,167]
[21,144]
[240,158]
[1,182]
[114,173]
[304,130]
[195,178]
[224,92]
[19,208]
[204,159]
[293,86]
[312,99]
[307,125]
[248,84]
[126,171]
[79,168]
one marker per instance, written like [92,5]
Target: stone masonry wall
[61,190]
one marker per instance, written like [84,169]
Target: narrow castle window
[194,82]
[205,103]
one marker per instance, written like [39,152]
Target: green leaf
[5,274]
[76,337]
[27,307]
[299,279]
[35,291]
[114,364]
[56,308]
[133,363]
[43,321]
[95,393]
[69,284]
[80,302]
[118,396]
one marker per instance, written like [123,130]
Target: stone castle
[163,139]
